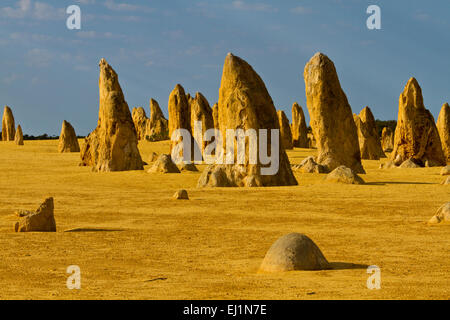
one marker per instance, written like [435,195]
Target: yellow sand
[211,246]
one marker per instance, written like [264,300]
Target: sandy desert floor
[148,246]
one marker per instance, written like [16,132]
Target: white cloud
[38,58]
[98,35]
[86,1]
[32,10]
[112,5]
[241,5]
[301,10]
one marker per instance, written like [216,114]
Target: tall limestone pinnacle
[201,112]
[158,125]
[387,139]
[179,113]
[331,116]
[68,141]
[245,103]
[285,130]
[140,121]
[18,139]
[443,125]
[369,141]
[112,146]
[8,125]
[299,128]
[416,135]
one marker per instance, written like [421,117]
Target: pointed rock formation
[309,165]
[215,113]
[112,146]
[201,112]
[369,141]
[8,125]
[179,114]
[68,141]
[292,252]
[312,143]
[41,220]
[416,135]
[158,126]
[140,121]
[18,138]
[387,139]
[245,103]
[331,116]
[443,126]
[285,130]
[299,129]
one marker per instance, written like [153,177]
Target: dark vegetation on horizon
[43,137]
[388,123]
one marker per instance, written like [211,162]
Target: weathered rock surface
[445,171]
[331,116]
[112,146]
[309,165]
[8,125]
[183,166]
[201,112]
[343,174]
[285,130]
[164,164]
[41,220]
[68,141]
[158,126]
[292,252]
[410,163]
[443,126]
[153,157]
[387,139]
[245,103]
[179,114]
[416,135]
[446,181]
[18,138]
[442,214]
[299,128]
[312,143]
[215,113]
[140,121]
[181,195]
[369,141]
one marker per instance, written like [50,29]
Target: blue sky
[49,73]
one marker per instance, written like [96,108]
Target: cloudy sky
[49,73]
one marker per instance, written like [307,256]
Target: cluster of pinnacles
[341,138]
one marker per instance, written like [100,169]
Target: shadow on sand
[394,182]
[347,265]
[93,230]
